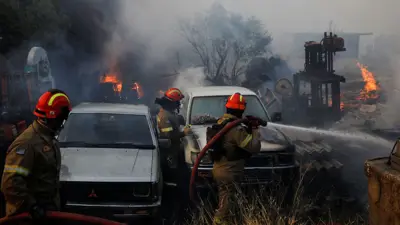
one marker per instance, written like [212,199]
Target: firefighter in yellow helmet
[237,144]
[30,181]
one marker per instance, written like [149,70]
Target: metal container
[383,190]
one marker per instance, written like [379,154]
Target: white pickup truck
[203,105]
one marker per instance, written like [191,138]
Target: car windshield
[106,130]
[207,109]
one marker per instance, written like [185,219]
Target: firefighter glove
[255,122]
[187,130]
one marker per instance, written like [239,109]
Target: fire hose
[212,141]
[61,216]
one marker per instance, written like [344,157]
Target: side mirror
[164,143]
[276,117]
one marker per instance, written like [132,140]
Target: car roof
[116,108]
[218,91]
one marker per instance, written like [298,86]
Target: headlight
[154,191]
[205,160]
[142,190]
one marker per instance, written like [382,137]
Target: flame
[112,78]
[371,86]
[136,86]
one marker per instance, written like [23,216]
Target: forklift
[315,98]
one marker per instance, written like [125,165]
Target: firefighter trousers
[227,190]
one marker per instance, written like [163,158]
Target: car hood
[272,139]
[106,164]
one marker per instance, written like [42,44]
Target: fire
[371,86]
[138,89]
[112,78]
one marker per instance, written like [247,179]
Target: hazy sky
[278,15]
[157,20]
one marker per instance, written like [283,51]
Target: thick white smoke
[189,78]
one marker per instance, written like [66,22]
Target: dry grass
[260,206]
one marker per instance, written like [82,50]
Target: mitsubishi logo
[92,194]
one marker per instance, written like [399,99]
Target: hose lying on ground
[61,216]
[205,149]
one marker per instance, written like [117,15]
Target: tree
[225,42]
[38,20]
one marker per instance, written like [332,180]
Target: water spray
[336,134]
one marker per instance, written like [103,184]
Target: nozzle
[259,121]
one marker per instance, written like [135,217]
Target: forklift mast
[321,102]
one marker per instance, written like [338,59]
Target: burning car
[112,90]
[110,161]
[203,105]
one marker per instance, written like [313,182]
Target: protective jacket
[235,140]
[32,171]
[168,125]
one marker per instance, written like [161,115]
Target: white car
[110,161]
[201,108]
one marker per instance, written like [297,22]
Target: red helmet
[53,104]
[236,101]
[174,94]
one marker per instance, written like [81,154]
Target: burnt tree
[225,42]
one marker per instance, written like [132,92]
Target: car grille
[257,176]
[260,161]
[94,192]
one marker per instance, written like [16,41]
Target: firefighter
[30,181]
[238,144]
[169,121]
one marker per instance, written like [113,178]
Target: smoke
[190,78]
[384,61]
[150,29]
[153,16]
[148,32]
[156,23]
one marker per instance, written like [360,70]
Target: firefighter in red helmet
[30,181]
[236,145]
[169,121]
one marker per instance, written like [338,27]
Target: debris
[368,108]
